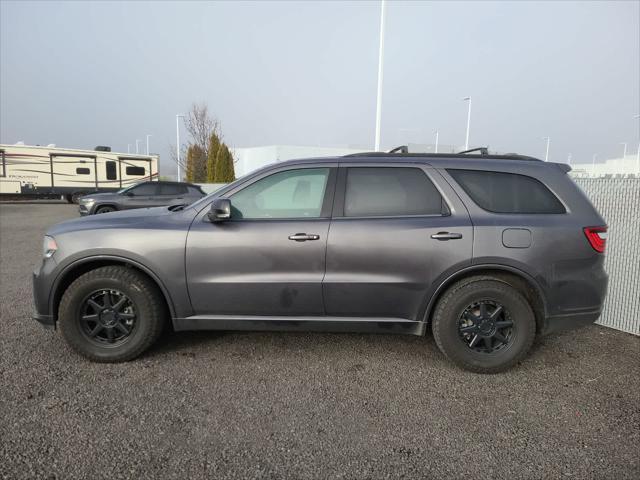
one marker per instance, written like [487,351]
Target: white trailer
[35,171]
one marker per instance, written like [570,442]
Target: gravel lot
[263,405]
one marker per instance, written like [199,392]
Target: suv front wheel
[111,314]
[484,325]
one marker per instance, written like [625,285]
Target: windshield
[127,188]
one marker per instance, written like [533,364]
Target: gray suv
[141,195]
[486,251]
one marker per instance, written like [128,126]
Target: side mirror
[220,210]
[130,194]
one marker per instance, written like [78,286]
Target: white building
[628,166]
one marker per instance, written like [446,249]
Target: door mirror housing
[220,210]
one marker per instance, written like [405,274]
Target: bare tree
[200,126]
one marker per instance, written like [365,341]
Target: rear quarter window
[502,192]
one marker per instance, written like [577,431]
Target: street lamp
[128,148]
[148,136]
[380,72]
[437,137]
[466,141]
[546,154]
[137,146]
[569,159]
[178,116]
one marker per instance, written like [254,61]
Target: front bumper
[84,210]
[41,281]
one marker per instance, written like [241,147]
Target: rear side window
[172,189]
[501,192]
[111,170]
[140,171]
[390,191]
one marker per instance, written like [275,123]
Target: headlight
[87,201]
[49,246]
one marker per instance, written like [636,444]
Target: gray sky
[81,74]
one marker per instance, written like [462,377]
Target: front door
[396,230]
[269,258]
[141,196]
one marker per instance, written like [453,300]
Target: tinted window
[111,170]
[195,190]
[83,171]
[390,192]
[501,192]
[135,171]
[290,194]
[172,189]
[144,189]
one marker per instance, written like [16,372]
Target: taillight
[597,237]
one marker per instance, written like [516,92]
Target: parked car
[141,195]
[487,251]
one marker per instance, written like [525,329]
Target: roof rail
[482,150]
[400,149]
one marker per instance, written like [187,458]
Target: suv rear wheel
[105,209]
[111,314]
[484,325]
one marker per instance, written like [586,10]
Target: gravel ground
[271,405]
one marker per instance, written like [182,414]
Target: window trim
[544,185]
[341,191]
[327,202]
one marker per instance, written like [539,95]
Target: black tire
[75,197]
[105,209]
[458,319]
[145,307]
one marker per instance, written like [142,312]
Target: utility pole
[178,116]
[466,141]
[437,138]
[546,155]
[148,136]
[380,72]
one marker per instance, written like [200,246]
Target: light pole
[380,72]
[137,146]
[624,149]
[128,148]
[638,152]
[546,154]
[437,138]
[178,116]
[593,164]
[466,141]
[148,136]
[569,159]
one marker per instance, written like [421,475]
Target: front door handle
[303,237]
[446,236]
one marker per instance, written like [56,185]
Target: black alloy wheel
[108,317]
[486,326]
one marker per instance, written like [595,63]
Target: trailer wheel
[75,197]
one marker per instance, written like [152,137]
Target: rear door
[172,194]
[396,232]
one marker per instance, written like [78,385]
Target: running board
[300,324]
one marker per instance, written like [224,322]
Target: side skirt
[300,324]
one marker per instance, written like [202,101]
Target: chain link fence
[618,201]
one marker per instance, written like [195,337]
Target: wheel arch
[106,204]
[515,277]
[80,267]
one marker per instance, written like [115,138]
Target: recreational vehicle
[46,172]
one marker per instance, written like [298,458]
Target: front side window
[172,189]
[144,190]
[501,192]
[390,191]
[135,171]
[290,194]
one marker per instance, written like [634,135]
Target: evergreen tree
[196,164]
[224,166]
[213,155]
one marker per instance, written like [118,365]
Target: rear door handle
[446,236]
[303,237]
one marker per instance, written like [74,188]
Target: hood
[137,218]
